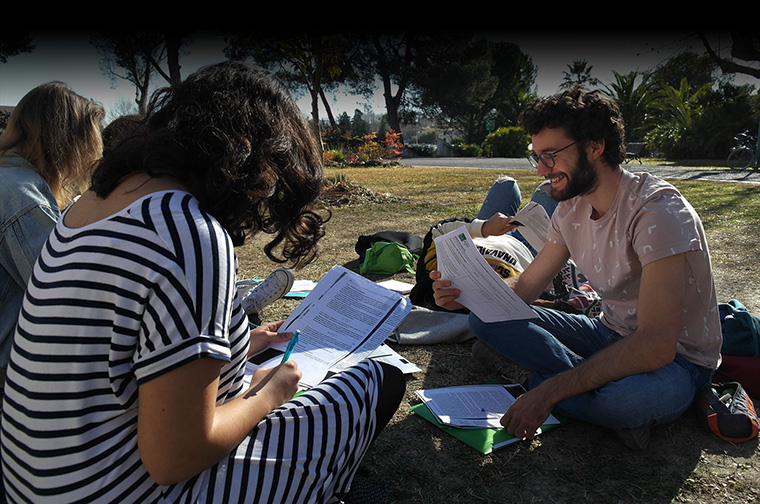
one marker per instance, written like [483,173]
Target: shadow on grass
[576,462]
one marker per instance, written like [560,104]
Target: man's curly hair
[585,115]
[233,135]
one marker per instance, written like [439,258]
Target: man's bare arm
[540,272]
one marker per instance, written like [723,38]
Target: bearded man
[643,248]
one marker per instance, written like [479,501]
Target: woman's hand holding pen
[278,384]
[283,378]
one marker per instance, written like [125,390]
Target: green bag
[387,258]
[741,330]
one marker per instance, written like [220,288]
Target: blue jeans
[504,196]
[557,341]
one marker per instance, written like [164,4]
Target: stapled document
[344,319]
[481,289]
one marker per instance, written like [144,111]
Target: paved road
[749,176]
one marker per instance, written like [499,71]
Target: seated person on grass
[507,251]
[643,248]
[500,242]
[127,378]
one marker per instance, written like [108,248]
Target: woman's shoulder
[177,216]
[22,187]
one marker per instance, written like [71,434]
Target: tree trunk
[173,43]
[328,109]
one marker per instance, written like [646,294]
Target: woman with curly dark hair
[128,373]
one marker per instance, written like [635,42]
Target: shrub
[510,142]
[427,137]
[367,149]
[335,157]
[393,145]
[422,150]
[467,150]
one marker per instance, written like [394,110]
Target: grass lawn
[577,462]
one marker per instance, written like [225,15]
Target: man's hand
[527,414]
[444,294]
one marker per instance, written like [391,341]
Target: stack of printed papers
[470,406]
[342,320]
[471,413]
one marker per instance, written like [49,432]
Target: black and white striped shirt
[119,302]
[110,306]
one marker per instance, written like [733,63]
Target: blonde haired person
[47,152]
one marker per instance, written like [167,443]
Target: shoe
[635,439]
[269,290]
[492,360]
[246,284]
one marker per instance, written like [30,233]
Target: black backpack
[422,292]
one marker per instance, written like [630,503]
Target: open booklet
[481,289]
[343,320]
[471,413]
[533,223]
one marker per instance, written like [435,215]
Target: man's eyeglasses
[547,158]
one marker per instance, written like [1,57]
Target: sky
[68,56]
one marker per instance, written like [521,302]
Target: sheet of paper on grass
[301,288]
[534,224]
[397,286]
[343,320]
[481,289]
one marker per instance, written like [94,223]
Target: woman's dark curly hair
[233,135]
[585,115]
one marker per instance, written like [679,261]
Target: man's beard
[581,181]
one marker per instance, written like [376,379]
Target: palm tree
[671,114]
[579,75]
[633,100]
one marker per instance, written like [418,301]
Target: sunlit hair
[233,135]
[585,116]
[58,132]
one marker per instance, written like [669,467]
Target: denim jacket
[28,212]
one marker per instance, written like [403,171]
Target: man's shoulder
[646,186]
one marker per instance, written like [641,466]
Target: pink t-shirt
[648,220]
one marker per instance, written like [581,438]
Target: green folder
[483,440]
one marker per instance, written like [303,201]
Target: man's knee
[503,332]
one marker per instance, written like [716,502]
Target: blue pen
[291,345]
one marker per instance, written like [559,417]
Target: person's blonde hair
[59,132]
